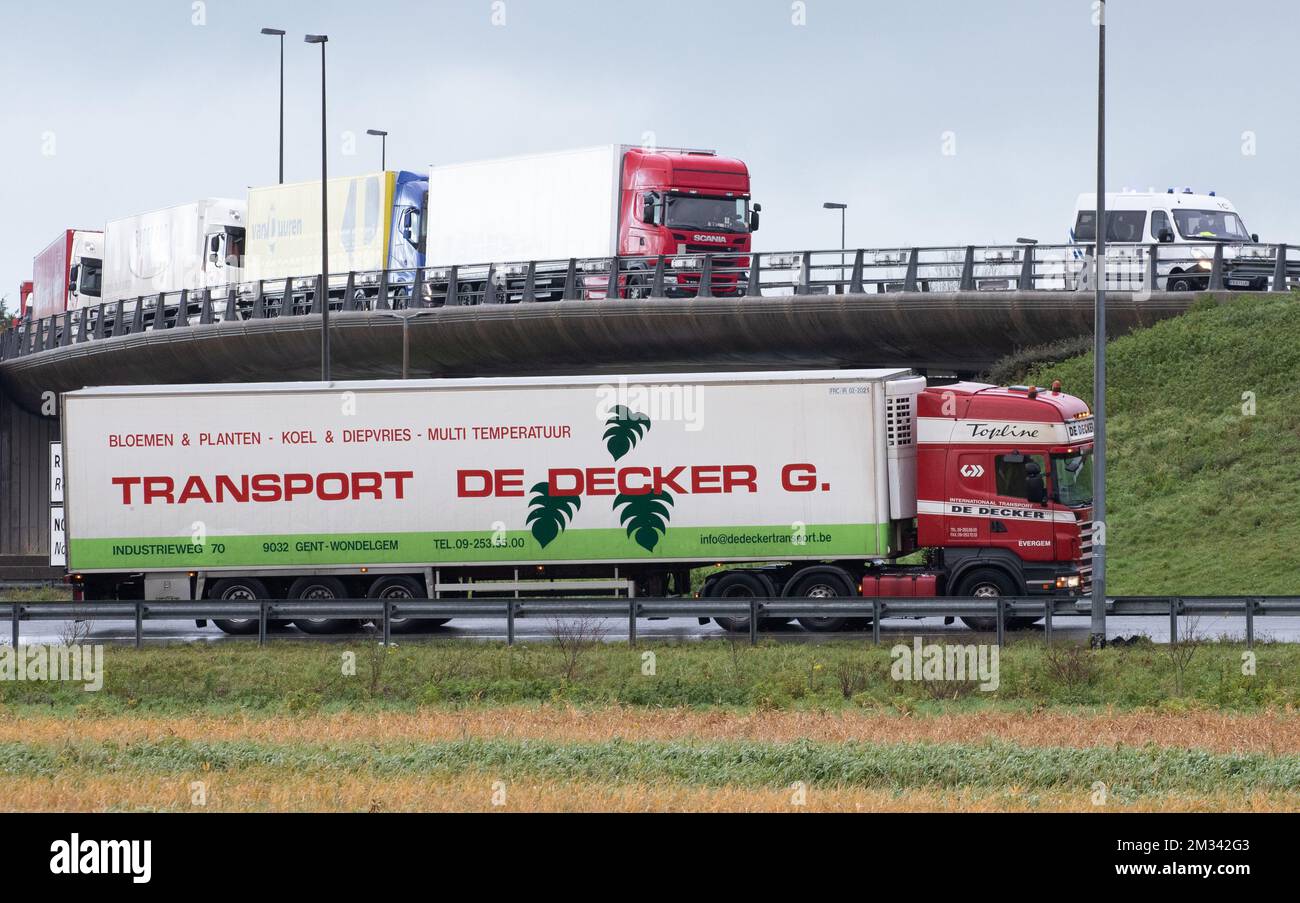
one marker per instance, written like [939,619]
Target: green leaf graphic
[645,516]
[550,514]
[625,428]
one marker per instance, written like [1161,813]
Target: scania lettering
[801,484]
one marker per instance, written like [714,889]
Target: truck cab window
[92,274]
[234,247]
[1013,474]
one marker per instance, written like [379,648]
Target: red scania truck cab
[1004,488]
[682,204]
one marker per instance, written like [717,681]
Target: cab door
[1020,513]
[970,488]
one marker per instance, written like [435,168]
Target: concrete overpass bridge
[941,311]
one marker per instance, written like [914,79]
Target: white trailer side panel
[442,472]
[164,250]
[284,239]
[539,207]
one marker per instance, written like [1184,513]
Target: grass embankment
[1204,436]
[296,676]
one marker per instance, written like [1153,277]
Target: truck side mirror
[1254,236]
[753,217]
[649,211]
[73,275]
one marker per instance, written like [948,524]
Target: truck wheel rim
[986,591]
[239,594]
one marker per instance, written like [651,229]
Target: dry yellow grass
[338,791]
[1271,733]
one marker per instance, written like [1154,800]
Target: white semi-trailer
[186,247]
[418,488]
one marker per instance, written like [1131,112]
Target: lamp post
[842,208]
[276,32]
[383,146]
[1098,627]
[323,293]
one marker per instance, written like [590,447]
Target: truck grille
[1085,566]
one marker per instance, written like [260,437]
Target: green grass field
[1204,439]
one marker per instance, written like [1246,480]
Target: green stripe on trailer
[714,543]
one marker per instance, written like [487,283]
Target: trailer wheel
[403,588]
[321,589]
[738,585]
[987,583]
[822,585]
[238,589]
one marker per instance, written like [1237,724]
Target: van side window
[1159,223]
[1121,225]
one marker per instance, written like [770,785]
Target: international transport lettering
[263,487]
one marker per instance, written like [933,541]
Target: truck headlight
[1204,264]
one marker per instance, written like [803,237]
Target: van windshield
[1210,225]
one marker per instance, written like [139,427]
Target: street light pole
[280,34]
[1098,628]
[842,208]
[323,294]
[383,147]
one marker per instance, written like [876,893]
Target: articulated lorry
[376,223]
[599,202]
[68,274]
[186,247]
[816,482]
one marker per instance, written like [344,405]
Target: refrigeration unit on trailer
[596,203]
[422,488]
[376,223]
[186,247]
[68,274]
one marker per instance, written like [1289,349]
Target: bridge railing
[695,274]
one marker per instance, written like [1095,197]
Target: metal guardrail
[383,612]
[700,274]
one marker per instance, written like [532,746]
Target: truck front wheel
[238,589]
[987,583]
[321,589]
[401,588]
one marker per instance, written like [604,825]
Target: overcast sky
[937,121]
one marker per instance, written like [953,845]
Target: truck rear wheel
[238,589]
[739,585]
[822,585]
[321,589]
[987,583]
[403,588]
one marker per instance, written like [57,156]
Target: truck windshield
[1072,478]
[1210,225]
[707,214]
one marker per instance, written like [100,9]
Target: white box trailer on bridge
[189,246]
[404,488]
